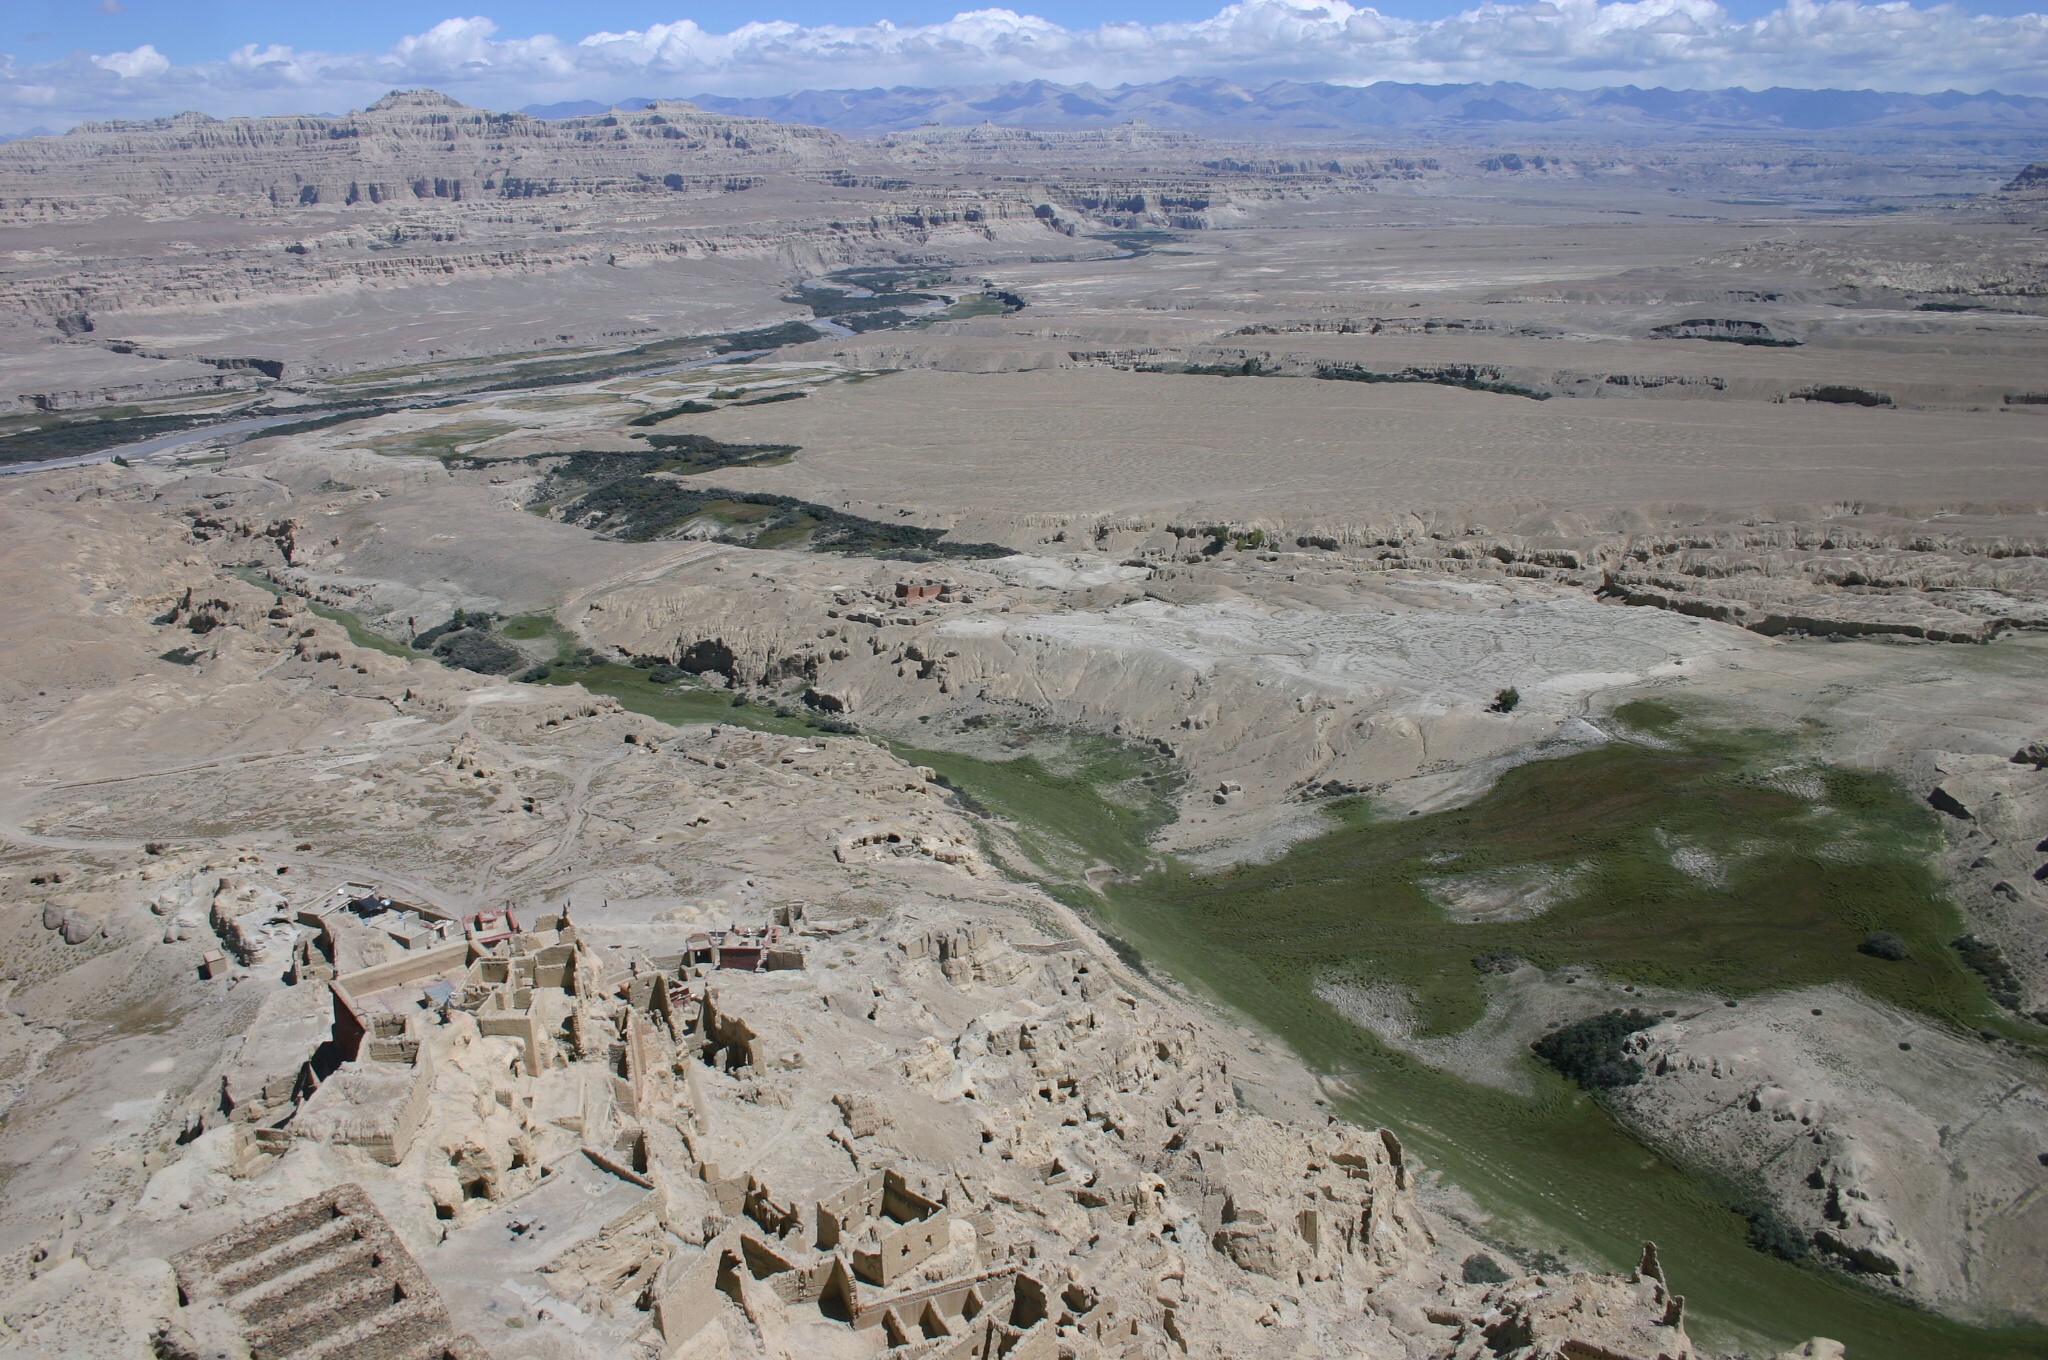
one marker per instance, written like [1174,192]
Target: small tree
[1506,700]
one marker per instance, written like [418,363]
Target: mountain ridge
[1298,109]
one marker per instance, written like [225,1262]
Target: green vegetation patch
[767,337]
[1837,394]
[1590,1051]
[622,496]
[834,302]
[1250,368]
[1810,861]
[322,422]
[688,408]
[1704,863]
[475,649]
[638,508]
[360,633]
[640,691]
[997,303]
[1725,332]
[443,442]
[531,628]
[884,293]
[1470,377]
[575,474]
[1072,802]
[698,453]
[33,441]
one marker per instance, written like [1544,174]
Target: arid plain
[1098,744]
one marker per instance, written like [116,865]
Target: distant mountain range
[1292,109]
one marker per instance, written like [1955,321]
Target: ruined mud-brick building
[964,1148]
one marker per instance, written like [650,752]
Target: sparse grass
[1699,872]
[679,704]
[788,534]
[438,441]
[1802,882]
[1077,801]
[632,506]
[531,628]
[360,633]
[66,436]
[686,408]
[975,304]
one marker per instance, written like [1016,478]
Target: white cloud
[140,64]
[1576,43]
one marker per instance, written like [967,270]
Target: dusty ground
[288,759]
[1292,586]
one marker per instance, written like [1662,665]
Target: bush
[1590,1051]
[1770,1232]
[1838,395]
[1496,961]
[533,675]
[1506,701]
[1883,944]
[474,649]
[455,624]
[1990,964]
[1483,1269]
[1126,954]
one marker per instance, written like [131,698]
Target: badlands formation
[662,734]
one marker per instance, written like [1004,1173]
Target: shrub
[1506,700]
[455,624]
[688,408]
[1768,1231]
[1839,395]
[1126,954]
[1483,1269]
[1590,1051]
[1990,965]
[474,649]
[1496,961]
[1884,944]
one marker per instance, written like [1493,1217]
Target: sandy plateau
[577,697]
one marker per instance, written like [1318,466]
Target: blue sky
[66,60]
[197,30]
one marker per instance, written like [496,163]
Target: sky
[62,61]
